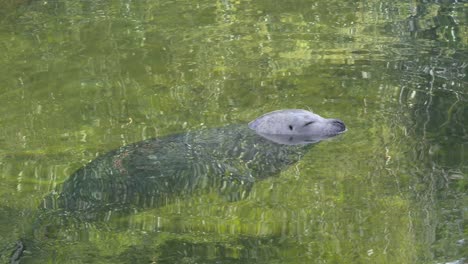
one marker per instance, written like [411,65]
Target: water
[80,78]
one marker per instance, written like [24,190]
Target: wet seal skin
[296,126]
[150,173]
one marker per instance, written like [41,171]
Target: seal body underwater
[228,159]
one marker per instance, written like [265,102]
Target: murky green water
[80,78]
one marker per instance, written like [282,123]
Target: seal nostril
[339,124]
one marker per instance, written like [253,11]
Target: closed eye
[308,123]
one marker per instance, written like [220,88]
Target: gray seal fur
[296,126]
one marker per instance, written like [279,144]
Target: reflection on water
[80,78]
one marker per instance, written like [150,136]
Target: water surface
[80,78]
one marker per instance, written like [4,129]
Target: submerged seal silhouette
[151,172]
[229,159]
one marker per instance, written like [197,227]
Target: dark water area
[81,78]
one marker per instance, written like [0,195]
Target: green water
[80,78]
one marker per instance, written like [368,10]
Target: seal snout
[340,125]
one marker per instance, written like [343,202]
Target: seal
[151,173]
[227,159]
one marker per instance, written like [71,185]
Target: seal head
[296,126]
